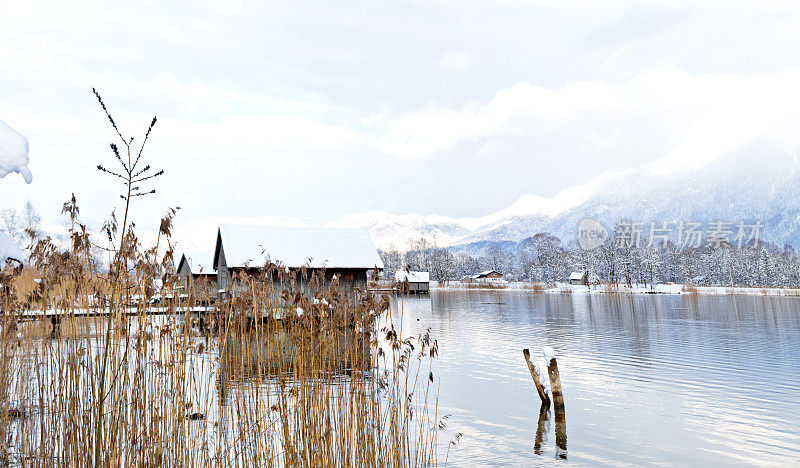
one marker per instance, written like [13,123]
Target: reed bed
[480,285]
[285,369]
[690,289]
[536,287]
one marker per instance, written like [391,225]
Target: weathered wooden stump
[536,379]
[541,429]
[556,396]
[558,402]
[555,381]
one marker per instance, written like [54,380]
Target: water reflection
[648,379]
[542,428]
[271,351]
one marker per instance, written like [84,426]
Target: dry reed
[690,289]
[285,369]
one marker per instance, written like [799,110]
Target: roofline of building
[306,267]
[182,261]
[218,245]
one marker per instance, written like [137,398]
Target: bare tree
[30,217]
[11,223]
[442,265]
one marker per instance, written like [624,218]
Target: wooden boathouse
[412,282]
[193,274]
[349,255]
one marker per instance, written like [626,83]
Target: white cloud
[339,99]
[715,113]
[454,61]
[234,132]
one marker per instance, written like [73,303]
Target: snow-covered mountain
[401,231]
[757,182]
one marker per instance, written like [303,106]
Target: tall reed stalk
[131,175]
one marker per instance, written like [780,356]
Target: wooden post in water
[541,429]
[558,401]
[536,379]
[201,322]
[555,382]
[55,321]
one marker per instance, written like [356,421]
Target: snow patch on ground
[13,153]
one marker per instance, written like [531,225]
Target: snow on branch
[13,153]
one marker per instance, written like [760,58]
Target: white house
[490,276]
[418,281]
[578,277]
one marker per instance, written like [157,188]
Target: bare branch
[110,119]
[161,172]
[119,158]
[146,136]
[100,167]
[146,168]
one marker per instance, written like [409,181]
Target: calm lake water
[647,379]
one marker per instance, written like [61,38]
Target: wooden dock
[129,311]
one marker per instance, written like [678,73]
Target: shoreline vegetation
[286,368]
[545,258]
[565,288]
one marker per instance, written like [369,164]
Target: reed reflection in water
[649,379]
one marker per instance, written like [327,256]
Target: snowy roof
[576,275]
[485,273]
[9,249]
[316,247]
[198,263]
[413,276]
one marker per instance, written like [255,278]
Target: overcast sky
[319,110]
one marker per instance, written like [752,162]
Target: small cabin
[348,255]
[579,278]
[191,273]
[489,276]
[413,282]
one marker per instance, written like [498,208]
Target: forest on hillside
[546,258]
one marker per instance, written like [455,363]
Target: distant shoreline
[565,288]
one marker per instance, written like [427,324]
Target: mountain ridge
[757,182]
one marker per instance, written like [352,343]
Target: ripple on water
[648,380]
